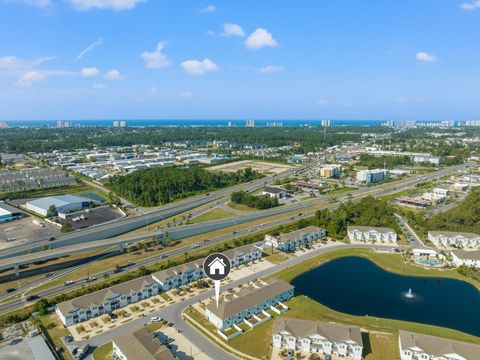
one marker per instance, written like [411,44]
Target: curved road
[173,313]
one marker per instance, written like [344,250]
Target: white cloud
[270,69]
[474,5]
[197,67]
[114,75]
[36,3]
[156,59]
[259,39]
[117,5]
[89,48]
[98,86]
[29,78]
[12,62]
[232,30]
[154,90]
[89,72]
[186,94]
[425,57]
[322,102]
[208,9]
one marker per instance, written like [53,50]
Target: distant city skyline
[145,59]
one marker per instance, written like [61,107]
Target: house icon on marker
[217,266]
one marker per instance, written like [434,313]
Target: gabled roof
[293,235]
[437,346]
[466,235]
[305,328]
[467,255]
[140,344]
[239,251]
[101,296]
[162,275]
[382,230]
[248,298]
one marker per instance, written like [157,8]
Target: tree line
[157,186]
[258,202]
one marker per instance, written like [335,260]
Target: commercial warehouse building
[62,203]
[9,213]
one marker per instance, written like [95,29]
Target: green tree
[41,306]
[52,211]
[66,227]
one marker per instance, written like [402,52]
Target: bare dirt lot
[262,167]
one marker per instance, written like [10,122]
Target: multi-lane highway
[380,190]
[82,245]
[124,225]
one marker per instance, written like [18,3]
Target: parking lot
[96,217]
[24,230]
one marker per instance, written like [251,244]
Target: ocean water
[237,123]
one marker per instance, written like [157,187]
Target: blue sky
[270,59]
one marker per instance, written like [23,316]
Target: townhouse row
[293,240]
[115,297]
[372,235]
[454,239]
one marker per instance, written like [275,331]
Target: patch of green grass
[103,352]
[241,207]
[340,191]
[55,331]
[214,214]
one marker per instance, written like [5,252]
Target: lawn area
[52,324]
[383,346]
[214,214]
[340,191]
[277,257]
[241,207]
[103,352]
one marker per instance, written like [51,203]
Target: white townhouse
[140,344]
[317,337]
[177,276]
[293,240]
[243,255]
[106,300]
[454,239]
[192,271]
[414,346]
[249,302]
[368,234]
[468,258]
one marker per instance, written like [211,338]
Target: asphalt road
[124,225]
[84,244]
[173,313]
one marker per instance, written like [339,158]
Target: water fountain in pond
[409,294]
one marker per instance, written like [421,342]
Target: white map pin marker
[216,267]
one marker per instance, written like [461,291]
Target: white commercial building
[274,192]
[317,337]
[62,203]
[372,176]
[454,239]
[468,258]
[293,240]
[414,346]
[368,234]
